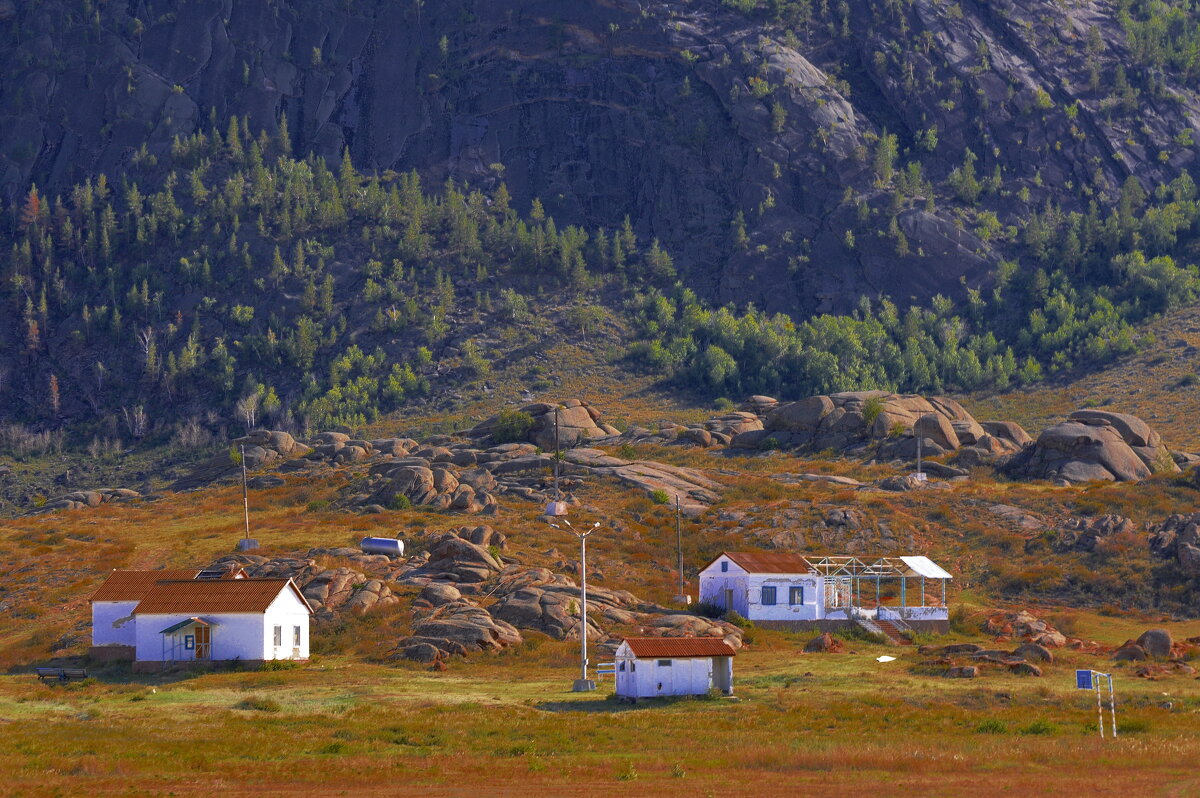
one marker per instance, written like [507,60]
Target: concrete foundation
[111,653]
[930,627]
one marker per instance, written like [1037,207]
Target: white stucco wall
[112,622]
[646,678]
[288,612]
[234,636]
[811,610]
[747,592]
[714,582]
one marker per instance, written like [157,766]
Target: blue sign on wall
[1083,680]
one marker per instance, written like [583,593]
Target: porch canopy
[844,577]
[174,639]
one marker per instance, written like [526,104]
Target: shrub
[707,609]
[871,409]
[626,451]
[660,496]
[769,444]
[992,726]
[723,405]
[511,426]
[734,617]
[317,505]
[1135,726]
[401,502]
[258,704]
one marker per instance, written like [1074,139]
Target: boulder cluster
[947,661]
[1094,445]
[576,421]
[79,499]
[330,591]
[1160,654]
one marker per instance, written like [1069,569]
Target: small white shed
[649,667]
[226,619]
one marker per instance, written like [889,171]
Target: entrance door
[203,642]
[728,599]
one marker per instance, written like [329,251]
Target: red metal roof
[134,585]
[770,562]
[679,647]
[196,597]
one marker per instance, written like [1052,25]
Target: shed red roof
[198,597]
[679,647]
[770,562]
[134,585]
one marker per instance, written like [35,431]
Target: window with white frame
[278,636]
[296,637]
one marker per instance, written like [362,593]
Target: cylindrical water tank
[393,547]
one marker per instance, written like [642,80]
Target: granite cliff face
[695,120]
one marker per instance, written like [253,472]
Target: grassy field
[355,722]
[506,725]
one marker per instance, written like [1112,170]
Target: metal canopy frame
[851,571]
[880,567]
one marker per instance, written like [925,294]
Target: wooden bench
[61,674]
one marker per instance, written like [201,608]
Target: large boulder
[1157,643]
[1091,446]
[465,560]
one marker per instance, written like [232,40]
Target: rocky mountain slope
[792,155]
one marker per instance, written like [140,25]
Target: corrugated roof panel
[134,585]
[679,647]
[923,566]
[770,562]
[213,596]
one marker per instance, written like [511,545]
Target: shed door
[203,642]
[728,599]
[664,677]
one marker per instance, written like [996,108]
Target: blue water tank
[393,547]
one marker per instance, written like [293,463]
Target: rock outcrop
[577,421]
[1094,445]
[887,424]
[1082,534]
[80,499]
[1178,538]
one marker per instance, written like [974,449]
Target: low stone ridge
[886,424]
[78,500]
[1094,445]
[695,491]
[1178,538]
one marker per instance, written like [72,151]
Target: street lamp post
[583,684]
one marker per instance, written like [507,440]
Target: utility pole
[246,543]
[683,597]
[583,684]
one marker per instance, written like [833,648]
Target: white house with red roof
[170,616]
[652,667]
[786,589]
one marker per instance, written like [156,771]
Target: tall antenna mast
[246,543]
[557,457]
[679,547]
